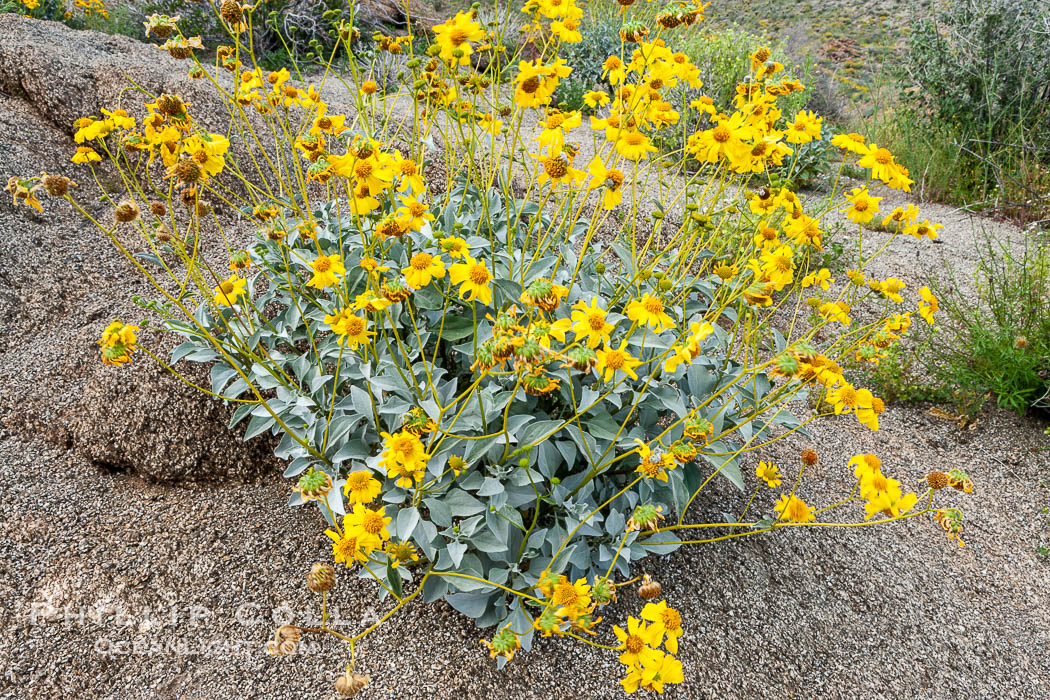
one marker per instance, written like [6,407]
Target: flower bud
[321,578]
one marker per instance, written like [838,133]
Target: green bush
[976,85]
[1000,345]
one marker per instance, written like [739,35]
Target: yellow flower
[634,145]
[351,328]
[491,124]
[930,305]
[555,127]
[892,287]
[667,620]
[924,229]
[778,266]
[879,160]
[422,268]
[536,81]
[619,360]
[638,641]
[400,553]
[652,466]
[595,98]
[414,213]
[347,548]
[890,503]
[611,180]
[208,151]
[454,37]
[863,207]
[868,408]
[843,397]
[85,154]
[230,290]
[455,247]
[649,311]
[367,525]
[901,216]
[850,142]
[361,487]
[821,278]
[118,342]
[725,140]
[794,509]
[571,600]
[867,464]
[589,323]
[370,302]
[404,457]
[769,473]
[804,129]
[327,271]
[680,356]
[474,279]
[656,669]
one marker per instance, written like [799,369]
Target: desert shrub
[998,344]
[600,40]
[506,385]
[976,103]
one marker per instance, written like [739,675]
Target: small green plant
[999,345]
[898,377]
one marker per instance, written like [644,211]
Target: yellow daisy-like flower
[649,311]
[361,487]
[351,328]
[230,290]
[422,268]
[400,553]
[370,302]
[634,145]
[821,278]
[85,154]
[589,323]
[372,266]
[571,600]
[473,278]
[804,129]
[595,98]
[456,248]
[454,36]
[404,458]
[794,509]
[769,473]
[667,620]
[892,288]
[367,525]
[118,342]
[638,641]
[327,271]
[863,207]
[929,305]
[347,548]
[610,361]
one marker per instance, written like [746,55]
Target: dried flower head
[350,683]
[648,588]
[284,642]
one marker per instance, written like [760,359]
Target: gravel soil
[116,588]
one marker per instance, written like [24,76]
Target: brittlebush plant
[505,383]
